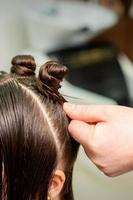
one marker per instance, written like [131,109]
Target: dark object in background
[95,67]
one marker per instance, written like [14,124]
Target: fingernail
[69,106]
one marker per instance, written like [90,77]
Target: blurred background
[94,39]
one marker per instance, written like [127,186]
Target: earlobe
[56,184]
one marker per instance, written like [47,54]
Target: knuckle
[104,168]
[107,171]
[109,174]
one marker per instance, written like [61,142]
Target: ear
[56,184]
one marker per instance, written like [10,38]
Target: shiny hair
[33,131]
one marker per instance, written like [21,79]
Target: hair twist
[50,76]
[23,65]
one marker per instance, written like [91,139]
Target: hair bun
[52,73]
[23,65]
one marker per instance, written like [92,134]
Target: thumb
[81,132]
[86,113]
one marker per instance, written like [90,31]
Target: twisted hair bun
[52,73]
[23,65]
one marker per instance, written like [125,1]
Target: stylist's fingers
[81,132]
[87,113]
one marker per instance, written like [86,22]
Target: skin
[56,185]
[106,133]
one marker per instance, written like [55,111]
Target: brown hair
[33,131]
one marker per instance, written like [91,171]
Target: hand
[106,133]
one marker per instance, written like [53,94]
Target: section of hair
[23,65]
[33,131]
[50,76]
[52,73]
[28,150]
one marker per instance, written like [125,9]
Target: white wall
[11,31]
[13,38]
[91,184]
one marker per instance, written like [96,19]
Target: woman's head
[37,153]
